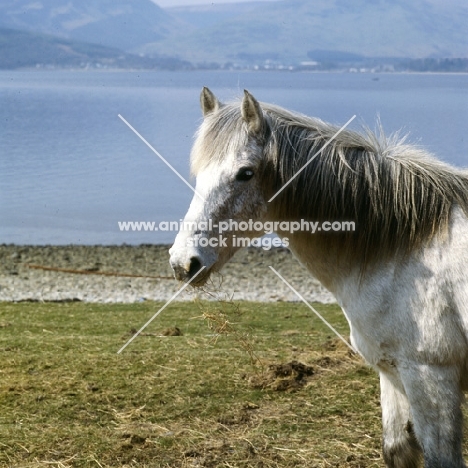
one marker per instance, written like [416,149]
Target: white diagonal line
[312,158]
[160,157]
[313,310]
[159,311]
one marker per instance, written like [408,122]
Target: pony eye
[244,174]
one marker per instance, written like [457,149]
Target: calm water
[70,169]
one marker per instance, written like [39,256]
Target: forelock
[221,133]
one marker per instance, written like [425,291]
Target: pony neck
[325,261]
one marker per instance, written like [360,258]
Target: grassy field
[206,385]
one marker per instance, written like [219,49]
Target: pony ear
[208,102]
[252,113]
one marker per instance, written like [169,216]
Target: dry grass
[246,385]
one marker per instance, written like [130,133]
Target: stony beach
[97,274]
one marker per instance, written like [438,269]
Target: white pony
[400,278]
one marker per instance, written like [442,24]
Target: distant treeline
[434,65]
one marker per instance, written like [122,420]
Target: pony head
[227,160]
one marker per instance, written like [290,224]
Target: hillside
[123,24]
[22,49]
[289,31]
[323,34]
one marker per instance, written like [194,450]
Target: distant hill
[325,34]
[289,30]
[123,24]
[20,49]
[212,14]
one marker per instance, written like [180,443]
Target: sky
[173,3]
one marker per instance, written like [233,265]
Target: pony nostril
[195,266]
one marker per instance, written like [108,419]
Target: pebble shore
[24,275]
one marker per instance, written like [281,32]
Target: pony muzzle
[186,271]
[187,265]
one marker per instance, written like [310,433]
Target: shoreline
[99,275]
[34,69]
